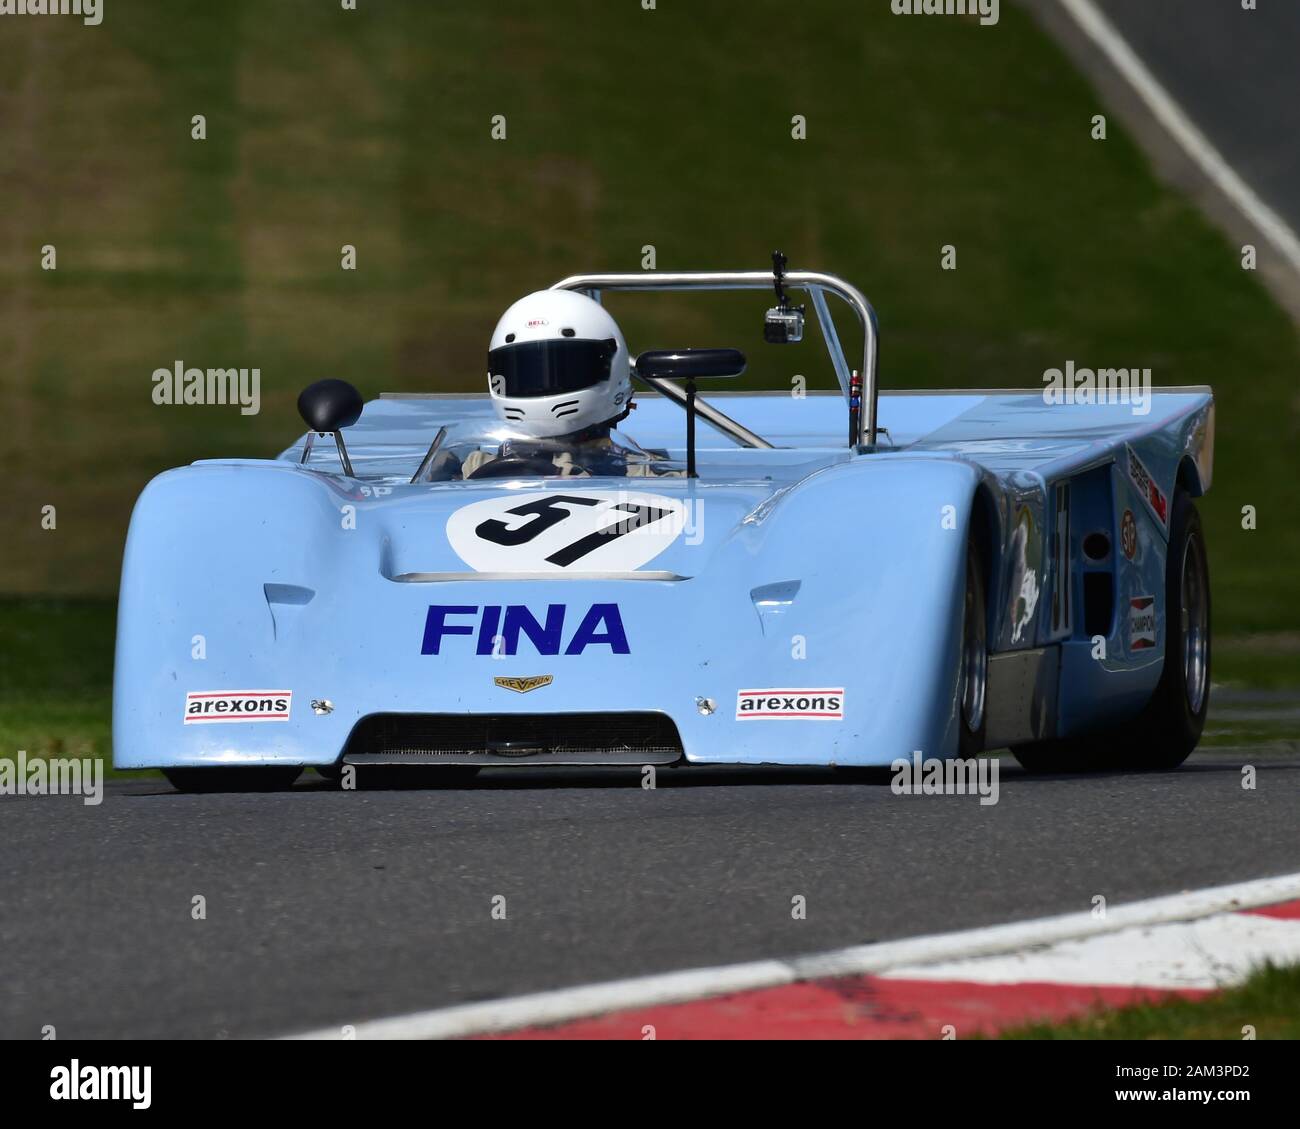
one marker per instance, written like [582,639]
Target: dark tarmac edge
[1170,161]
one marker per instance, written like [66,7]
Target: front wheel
[973,685]
[237,779]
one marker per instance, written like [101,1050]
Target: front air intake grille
[514,738]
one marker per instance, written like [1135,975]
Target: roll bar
[816,284]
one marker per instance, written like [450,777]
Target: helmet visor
[547,368]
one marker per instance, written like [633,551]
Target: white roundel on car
[566,531]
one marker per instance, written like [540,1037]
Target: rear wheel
[238,779]
[1169,727]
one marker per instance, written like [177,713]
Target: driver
[558,373]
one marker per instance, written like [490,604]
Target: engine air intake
[514,738]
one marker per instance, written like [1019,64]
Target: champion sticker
[1145,485]
[786,705]
[237,705]
[1141,623]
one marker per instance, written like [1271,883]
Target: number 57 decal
[545,532]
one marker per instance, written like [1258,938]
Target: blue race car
[530,577]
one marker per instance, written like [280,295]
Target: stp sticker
[790,705]
[570,531]
[1141,623]
[1128,535]
[1146,486]
[237,705]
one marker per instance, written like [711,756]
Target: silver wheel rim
[974,665]
[1196,624]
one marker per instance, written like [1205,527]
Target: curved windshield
[470,444]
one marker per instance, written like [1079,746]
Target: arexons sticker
[237,705]
[1146,486]
[570,531]
[804,705]
[1141,623]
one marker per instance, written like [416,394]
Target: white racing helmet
[558,364]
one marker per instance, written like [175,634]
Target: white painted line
[544,1008]
[564,1004]
[1170,115]
[1213,952]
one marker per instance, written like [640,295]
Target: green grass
[1269,1001]
[56,677]
[1270,660]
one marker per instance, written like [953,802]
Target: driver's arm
[474,460]
[563,461]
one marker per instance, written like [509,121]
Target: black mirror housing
[690,364]
[330,405]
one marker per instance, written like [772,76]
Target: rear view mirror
[690,364]
[327,407]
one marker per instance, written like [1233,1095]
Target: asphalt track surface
[327,907]
[1236,74]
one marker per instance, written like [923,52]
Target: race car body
[831,584]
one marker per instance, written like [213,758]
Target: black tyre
[1169,727]
[240,779]
[973,681]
